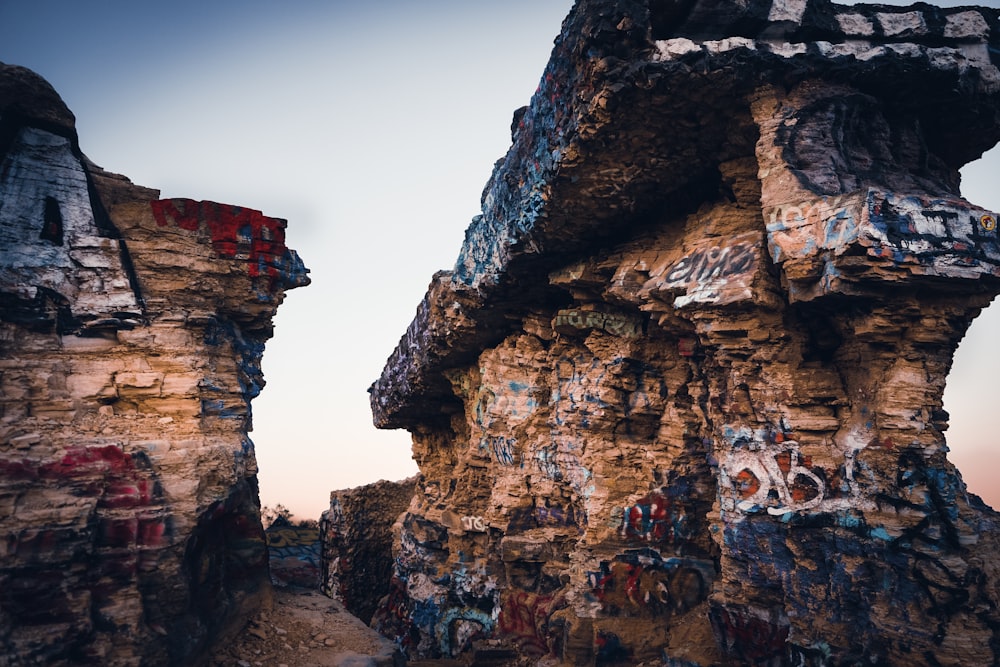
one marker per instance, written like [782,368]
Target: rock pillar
[680,398]
[131,332]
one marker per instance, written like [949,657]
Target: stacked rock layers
[680,398]
[131,332]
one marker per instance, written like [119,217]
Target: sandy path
[304,628]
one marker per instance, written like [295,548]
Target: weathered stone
[751,467]
[356,542]
[129,514]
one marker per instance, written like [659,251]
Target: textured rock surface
[131,331]
[356,542]
[680,399]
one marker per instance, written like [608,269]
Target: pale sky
[372,127]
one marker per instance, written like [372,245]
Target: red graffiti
[524,617]
[654,518]
[393,619]
[746,636]
[747,484]
[237,233]
[651,588]
[111,476]
[686,347]
[85,461]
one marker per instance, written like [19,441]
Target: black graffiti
[713,263]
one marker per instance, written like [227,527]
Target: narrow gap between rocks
[970,395]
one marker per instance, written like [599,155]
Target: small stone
[26,441]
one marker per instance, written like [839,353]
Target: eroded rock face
[131,331]
[680,398]
[356,540]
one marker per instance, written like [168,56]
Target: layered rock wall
[680,399]
[131,332]
[356,539]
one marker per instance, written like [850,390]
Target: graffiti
[542,516]
[654,518]
[609,650]
[458,627]
[512,405]
[392,619]
[504,450]
[857,125]
[762,477]
[764,470]
[476,524]
[295,554]
[628,390]
[712,263]
[948,237]
[686,347]
[717,274]
[236,232]
[120,482]
[799,230]
[556,462]
[578,389]
[566,321]
[644,583]
[749,635]
[524,618]
[933,541]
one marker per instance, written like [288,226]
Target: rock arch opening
[971,390]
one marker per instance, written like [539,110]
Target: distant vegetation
[279,515]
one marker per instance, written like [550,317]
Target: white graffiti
[757,476]
[712,273]
[475,524]
[799,230]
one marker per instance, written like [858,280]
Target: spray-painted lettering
[524,618]
[614,324]
[236,232]
[476,524]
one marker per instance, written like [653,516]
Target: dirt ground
[304,628]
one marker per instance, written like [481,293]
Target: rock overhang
[637,110]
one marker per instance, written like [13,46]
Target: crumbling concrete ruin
[680,398]
[131,332]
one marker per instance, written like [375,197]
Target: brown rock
[680,399]
[131,331]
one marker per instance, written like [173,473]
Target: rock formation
[680,398]
[356,542]
[131,332]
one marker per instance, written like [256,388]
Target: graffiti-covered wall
[680,399]
[131,332]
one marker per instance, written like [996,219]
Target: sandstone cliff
[356,542]
[680,398]
[131,332]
